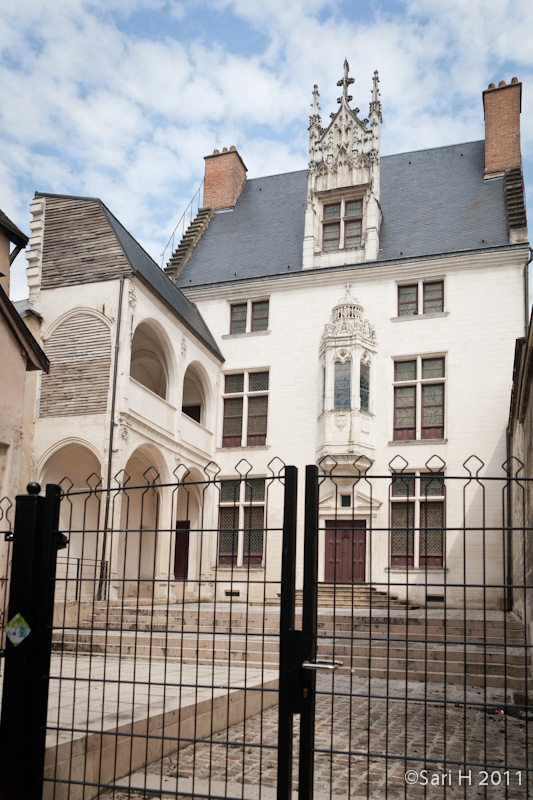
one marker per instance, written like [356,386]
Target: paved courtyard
[378,734]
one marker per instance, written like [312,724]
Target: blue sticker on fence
[17,630]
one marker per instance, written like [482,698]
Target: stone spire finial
[315,123]
[375,104]
[345,82]
[315,105]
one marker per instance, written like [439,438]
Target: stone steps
[354,595]
[194,621]
[476,664]
[457,647]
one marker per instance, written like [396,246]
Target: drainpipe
[509,537]
[103,576]
[526,289]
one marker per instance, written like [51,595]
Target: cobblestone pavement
[361,747]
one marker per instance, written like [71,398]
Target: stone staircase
[403,644]
[190,239]
[353,595]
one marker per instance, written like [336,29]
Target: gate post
[309,623]
[289,661]
[28,644]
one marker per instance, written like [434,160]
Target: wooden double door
[345,551]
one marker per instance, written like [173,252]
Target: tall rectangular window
[249,317]
[245,409]
[422,297]
[419,399]
[417,520]
[433,297]
[260,316]
[407,300]
[342,386]
[364,387]
[241,522]
[342,224]
[331,231]
[238,318]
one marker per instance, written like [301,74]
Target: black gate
[186,663]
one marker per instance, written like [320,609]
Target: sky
[122,99]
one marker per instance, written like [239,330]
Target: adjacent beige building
[20,354]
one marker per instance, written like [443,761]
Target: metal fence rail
[170,653]
[166,636]
[435,694]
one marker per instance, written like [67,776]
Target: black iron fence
[181,658]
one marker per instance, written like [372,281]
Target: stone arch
[75,466]
[187,547]
[197,397]
[152,361]
[137,557]
[79,348]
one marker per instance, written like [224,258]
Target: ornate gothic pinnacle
[345,82]
[314,119]
[315,105]
[375,105]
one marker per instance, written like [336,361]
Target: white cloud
[93,105]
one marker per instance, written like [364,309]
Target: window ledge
[411,317]
[245,335]
[357,248]
[243,568]
[423,570]
[410,442]
[243,447]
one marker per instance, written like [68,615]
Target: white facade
[334,326]
[478,369]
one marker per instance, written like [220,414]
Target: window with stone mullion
[402,534]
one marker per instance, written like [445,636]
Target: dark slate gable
[433,201]
[84,243]
[262,235]
[146,267]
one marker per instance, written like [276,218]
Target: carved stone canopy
[347,319]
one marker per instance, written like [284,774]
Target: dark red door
[345,551]
[181,552]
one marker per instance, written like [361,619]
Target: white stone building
[365,308]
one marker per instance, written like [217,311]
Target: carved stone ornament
[218,379]
[132,296]
[183,346]
[349,145]
[342,356]
[347,320]
[365,358]
[125,426]
[341,418]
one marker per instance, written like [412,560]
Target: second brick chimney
[502,106]
[225,175]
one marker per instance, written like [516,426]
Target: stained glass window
[342,388]
[364,387]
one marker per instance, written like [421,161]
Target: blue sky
[121,99]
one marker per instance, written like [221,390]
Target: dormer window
[342,224]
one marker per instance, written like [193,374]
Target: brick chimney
[502,106]
[225,175]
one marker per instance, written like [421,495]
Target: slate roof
[146,267]
[433,202]
[105,242]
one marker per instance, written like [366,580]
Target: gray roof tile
[433,201]
[145,266]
